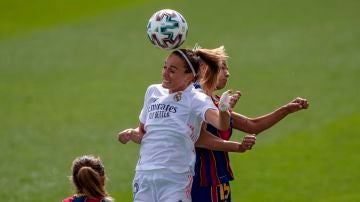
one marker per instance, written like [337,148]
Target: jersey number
[224,191]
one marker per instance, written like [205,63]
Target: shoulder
[83,199]
[107,199]
[200,102]
[198,94]
[155,88]
[68,199]
[76,198]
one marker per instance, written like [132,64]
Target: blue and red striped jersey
[82,198]
[213,167]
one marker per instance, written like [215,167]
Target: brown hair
[193,59]
[212,58]
[88,176]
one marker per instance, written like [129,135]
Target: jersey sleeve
[143,113]
[201,104]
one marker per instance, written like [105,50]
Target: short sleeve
[201,104]
[143,113]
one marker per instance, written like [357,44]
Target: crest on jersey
[177,96]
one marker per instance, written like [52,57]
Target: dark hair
[193,59]
[87,172]
[212,58]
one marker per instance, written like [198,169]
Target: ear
[189,78]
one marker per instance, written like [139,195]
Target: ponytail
[90,183]
[88,176]
[213,59]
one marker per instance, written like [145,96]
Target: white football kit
[172,123]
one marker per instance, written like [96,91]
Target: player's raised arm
[259,124]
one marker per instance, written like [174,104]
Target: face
[223,76]
[174,76]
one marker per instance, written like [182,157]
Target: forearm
[258,124]
[212,142]
[137,134]
[224,120]
[224,145]
[217,118]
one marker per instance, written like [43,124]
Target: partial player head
[223,76]
[213,61]
[88,176]
[184,67]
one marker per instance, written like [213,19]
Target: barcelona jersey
[213,167]
[81,198]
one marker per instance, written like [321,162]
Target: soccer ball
[167,29]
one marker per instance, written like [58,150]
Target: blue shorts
[217,193]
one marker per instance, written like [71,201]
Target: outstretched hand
[297,104]
[234,98]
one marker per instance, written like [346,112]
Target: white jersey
[172,124]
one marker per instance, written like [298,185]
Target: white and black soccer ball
[167,29]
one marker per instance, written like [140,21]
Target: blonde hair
[213,59]
[88,176]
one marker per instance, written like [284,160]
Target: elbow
[252,127]
[199,144]
[224,126]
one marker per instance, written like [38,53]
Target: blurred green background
[74,73]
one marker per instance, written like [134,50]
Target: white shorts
[162,186]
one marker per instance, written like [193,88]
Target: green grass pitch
[74,73]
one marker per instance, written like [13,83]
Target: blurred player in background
[88,176]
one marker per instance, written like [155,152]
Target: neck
[179,89]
